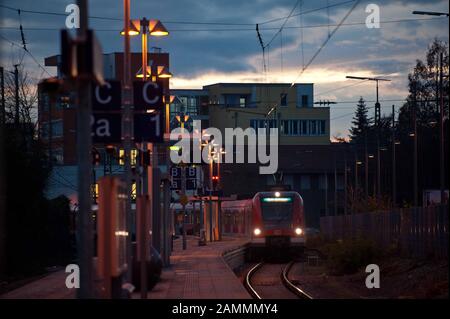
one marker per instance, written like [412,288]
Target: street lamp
[154,28]
[377,124]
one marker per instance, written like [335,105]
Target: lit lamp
[133,30]
[163,72]
[140,74]
[157,29]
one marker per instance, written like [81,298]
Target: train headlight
[298,231]
[257,231]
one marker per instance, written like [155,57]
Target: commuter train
[274,221]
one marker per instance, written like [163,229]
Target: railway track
[272,281]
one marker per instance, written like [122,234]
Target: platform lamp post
[377,125]
[154,28]
[217,156]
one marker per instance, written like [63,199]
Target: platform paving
[199,272]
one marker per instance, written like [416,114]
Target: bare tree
[28,97]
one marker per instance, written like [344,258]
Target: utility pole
[441,130]
[335,185]
[377,125]
[84,227]
[345,183]
[16,85]
[127,122]
[3,230]
[366,167]
[210,193]
[183,192]
[414,117]
[394,181]
[2,110]
[356,172]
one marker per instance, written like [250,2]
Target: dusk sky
[215,41]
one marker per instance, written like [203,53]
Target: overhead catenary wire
[56,28]
[284,23]
[53,13]
[325,42]
[27,51]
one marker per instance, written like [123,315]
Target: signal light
[95,157]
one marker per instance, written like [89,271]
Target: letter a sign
[106,128]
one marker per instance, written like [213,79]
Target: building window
[254,124]
[242,101]
[313,127]
[283,98]
[321,127]
[305,182]
[58,156]
[294,127]
[133,157]
[303,128]
[45,102]
[284,129]
[340,183]
[305,101]
[323,182]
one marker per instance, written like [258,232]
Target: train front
[278,224]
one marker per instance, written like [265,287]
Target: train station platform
[200,272]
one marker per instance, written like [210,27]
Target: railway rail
[272,281]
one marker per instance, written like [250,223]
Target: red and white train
[272,220]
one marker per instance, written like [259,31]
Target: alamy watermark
[257,145]
[373,279]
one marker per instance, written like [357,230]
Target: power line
[284,23]
[325,42]
[53,13]
[57,28]
[309,11]
[340,88]
[27,51]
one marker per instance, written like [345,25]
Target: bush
[347,256]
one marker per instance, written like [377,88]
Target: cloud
[219,54]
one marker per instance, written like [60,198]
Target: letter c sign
[147,95]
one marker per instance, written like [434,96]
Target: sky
[214,41]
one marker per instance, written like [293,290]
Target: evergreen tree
[361,121]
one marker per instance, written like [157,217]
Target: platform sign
[148,95]
[191,172]
[106,128]
[191,177]
[175,174]
[107,97]
[191,184]
[149,127]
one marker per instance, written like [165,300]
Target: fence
[415,232]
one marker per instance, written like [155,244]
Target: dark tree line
[423,101]
[35,230]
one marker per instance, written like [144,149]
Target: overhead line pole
[127,122]
[16,94]
[441,131]
[84,227]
